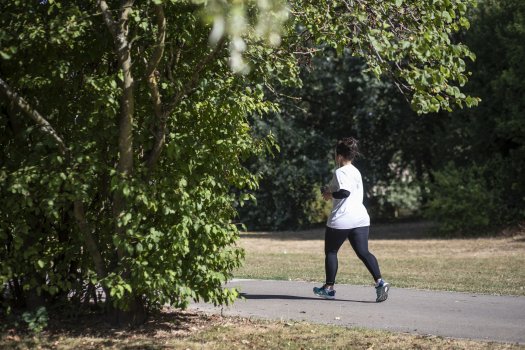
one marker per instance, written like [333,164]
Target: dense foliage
[463,170]
[412,46]
[155,230]
[125,134]
[339,99]
[479,176]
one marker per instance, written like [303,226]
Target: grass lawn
[407,256]
[480,265]
[186,330]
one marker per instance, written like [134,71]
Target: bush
[464,200]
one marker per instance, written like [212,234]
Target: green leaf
[446,16]
[5,55]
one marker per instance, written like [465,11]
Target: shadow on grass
[94,326]
[92,331]
[294,297]
[394,230]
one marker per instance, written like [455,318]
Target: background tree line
[462,169]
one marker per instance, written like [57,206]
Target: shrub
[464,200]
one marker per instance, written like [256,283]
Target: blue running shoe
[382,291]
[324,293]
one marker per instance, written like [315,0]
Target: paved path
[447,314]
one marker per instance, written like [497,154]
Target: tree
[120,174]
[409,41]
[485,156]
[124,132]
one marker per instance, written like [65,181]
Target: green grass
[483,265]
[265,335]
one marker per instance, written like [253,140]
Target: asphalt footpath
[446,314]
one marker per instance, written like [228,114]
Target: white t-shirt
[348,212]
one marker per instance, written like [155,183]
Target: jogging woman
[348,220]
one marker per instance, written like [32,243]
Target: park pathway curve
[446,314]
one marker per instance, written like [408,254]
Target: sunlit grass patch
[483,265]
[290,335]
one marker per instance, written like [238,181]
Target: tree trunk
[89,241]
[16,100]
[135,315]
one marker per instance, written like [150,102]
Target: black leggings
[358,237]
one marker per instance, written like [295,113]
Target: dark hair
[348,147]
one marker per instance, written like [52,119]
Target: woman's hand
[327,195]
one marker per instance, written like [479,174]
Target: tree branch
[174,58]
[161,37]
[195,77]
[108,18]
[26,108]
[162,115]
[127,101]
[160,132]
[90,243]
[154,89]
